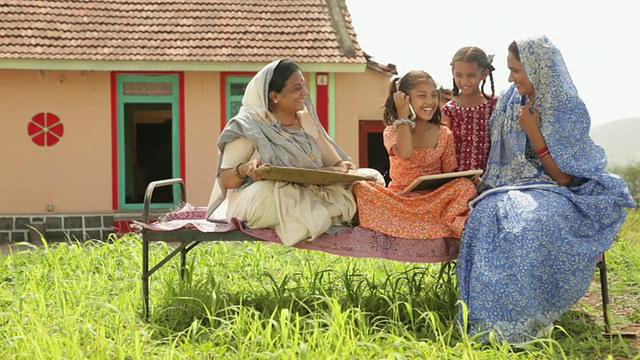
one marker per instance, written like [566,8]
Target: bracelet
[399,122]
[542,152]
[237,172]
[338,163]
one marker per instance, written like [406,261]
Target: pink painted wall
[358,96]
[202,128]
[75,175]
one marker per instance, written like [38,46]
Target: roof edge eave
[134,65]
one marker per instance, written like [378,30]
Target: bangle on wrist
[338,163]
[236,171]
[544,151]
[403,121]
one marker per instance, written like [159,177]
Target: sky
[599,41]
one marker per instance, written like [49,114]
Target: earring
[275,101]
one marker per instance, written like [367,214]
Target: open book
[428,182]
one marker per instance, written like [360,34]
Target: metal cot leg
[183,263]
[602,266]
[145,278]
[146,208]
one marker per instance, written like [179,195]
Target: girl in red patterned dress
[417,145]
[467,114]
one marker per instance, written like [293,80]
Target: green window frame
[166,90]
[235,85]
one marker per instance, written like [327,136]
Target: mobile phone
[412,116]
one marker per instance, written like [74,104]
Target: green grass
[260,301]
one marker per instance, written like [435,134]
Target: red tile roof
[307,31]
[389,69]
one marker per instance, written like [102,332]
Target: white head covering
[257,124]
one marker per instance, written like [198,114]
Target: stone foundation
[59,227]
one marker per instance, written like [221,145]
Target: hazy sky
[599,41]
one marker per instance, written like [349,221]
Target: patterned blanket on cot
[345,241]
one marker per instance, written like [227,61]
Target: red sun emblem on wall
[45,129]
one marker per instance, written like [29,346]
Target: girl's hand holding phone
[402,101]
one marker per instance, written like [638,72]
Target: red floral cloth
[470,128]
[347,241]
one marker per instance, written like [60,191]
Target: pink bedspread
[350,241]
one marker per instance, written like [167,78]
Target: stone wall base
[59,227]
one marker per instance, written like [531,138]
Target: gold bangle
[339,163]
[237,173]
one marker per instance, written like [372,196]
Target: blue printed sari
[530,246]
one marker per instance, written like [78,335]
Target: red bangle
[542,152]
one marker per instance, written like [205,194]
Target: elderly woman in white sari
[277,125]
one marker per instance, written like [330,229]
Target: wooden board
[309,176]
[429,182]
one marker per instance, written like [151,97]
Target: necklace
[291,135]
[311,156]
[309,153]
[293,122]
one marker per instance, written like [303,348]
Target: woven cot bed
[189,227]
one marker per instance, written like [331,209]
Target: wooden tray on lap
[309,176]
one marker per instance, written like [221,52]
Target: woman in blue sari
[548,208]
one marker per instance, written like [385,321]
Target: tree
[630,174]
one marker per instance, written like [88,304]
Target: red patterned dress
[470,127]
[418,215]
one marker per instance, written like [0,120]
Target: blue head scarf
[564,123]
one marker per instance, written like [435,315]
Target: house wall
[202,128]
[74,176]
[358,96]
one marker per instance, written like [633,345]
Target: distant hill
[620,140]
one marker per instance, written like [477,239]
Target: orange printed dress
[421,215]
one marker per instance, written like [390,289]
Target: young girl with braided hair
[417,145]
[467,114]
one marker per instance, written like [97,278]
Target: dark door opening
[373,154]
[148,150]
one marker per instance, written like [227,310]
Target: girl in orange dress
[417,145]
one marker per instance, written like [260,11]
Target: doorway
[373,154]
[148,129]
[148,138]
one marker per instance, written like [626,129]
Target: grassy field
[260,301]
